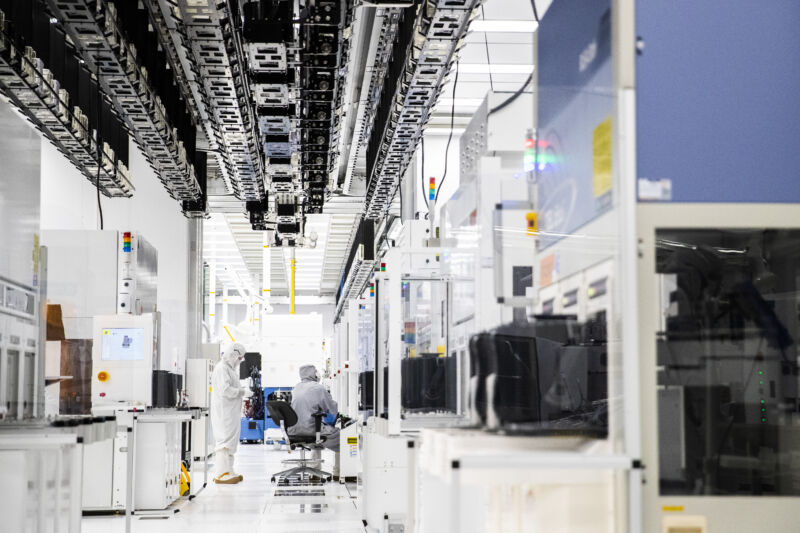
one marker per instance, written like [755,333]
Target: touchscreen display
[123,344]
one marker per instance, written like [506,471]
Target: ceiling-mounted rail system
[359,265]
[42,76]
[119,46]
[428,35]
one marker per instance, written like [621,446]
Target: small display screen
[123,344]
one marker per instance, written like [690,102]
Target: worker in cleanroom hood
[309,398]
[226,411]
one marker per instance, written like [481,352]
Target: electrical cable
[99,205]
[422,153]
[513,96]
[450,137]
[530,77]
[99,148]
[488,58]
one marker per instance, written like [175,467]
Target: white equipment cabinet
[158,464]
[385,489]
[198,391]
[477,481]
[349,456]
[344,385]
[99,273]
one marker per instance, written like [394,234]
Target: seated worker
[309,398]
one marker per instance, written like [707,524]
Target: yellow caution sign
[352,440]
[601,158]
[672,508]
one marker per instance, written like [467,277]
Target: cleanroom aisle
[251,505]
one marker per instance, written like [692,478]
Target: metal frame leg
[303,470]
[129,482]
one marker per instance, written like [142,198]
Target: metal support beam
[291,288]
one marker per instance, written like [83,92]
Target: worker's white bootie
[228,479]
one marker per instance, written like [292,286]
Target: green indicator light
[760,372]
[763,409]
[763,419]
[760,382]
[762,401]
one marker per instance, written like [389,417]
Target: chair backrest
[280,411]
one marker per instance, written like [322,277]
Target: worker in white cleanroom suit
[226,411]
[309,397]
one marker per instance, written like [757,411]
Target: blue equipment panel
[717,85]
[252,430]
[576,104]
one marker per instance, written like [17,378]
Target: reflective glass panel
[429,372]
[366,353]
[727,356]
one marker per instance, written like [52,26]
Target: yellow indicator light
[102,376]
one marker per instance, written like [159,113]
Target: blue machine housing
[252,430]
[716,115]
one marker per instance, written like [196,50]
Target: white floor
[250,506]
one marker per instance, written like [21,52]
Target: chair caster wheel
[273,480]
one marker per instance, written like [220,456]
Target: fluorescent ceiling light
[461,102]
[504,26]
[494,68]
[443,131]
